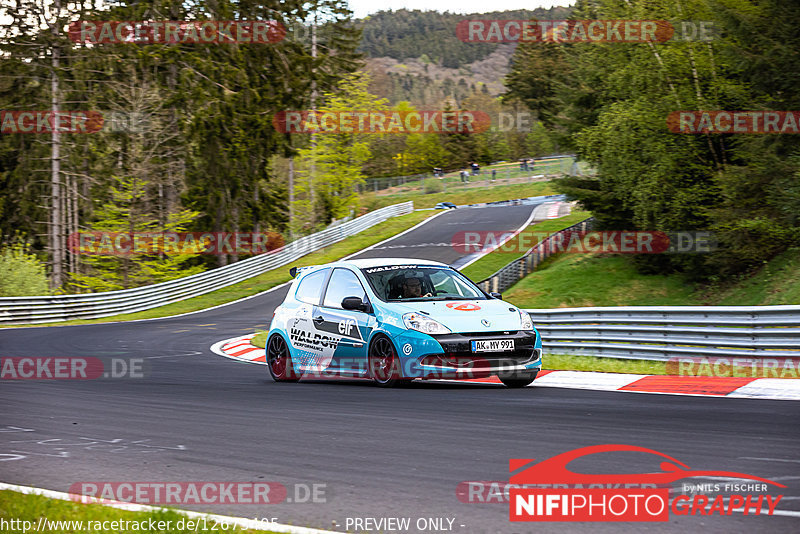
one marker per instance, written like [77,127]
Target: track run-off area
[371,453]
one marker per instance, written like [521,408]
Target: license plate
[492,345]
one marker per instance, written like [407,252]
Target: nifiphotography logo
[549,491]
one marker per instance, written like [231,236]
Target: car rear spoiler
[294,270]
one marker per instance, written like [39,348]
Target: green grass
[23,507]
[577,280]
[260,339]
[567,362]
[273,277]
[777,282]
[517,246]
[343,248]
[460,194]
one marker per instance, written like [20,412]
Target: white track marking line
[429,219]
[160,318]
[769,388]
[769,459]
[483,253]
[765,512]
[586,380]
[131,507]
[554,379]
[243,298]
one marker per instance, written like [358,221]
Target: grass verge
[577,280]
[568,362]
[459,195]
[85,517]
[260,339]
[273,277]
[518,245]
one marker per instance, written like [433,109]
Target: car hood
[466,315]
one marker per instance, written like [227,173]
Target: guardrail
[517,269]
[661,333]
[43,309]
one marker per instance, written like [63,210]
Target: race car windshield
[402,283]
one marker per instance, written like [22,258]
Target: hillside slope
[578,280]
[416,56]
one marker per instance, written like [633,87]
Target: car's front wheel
[279,360]
[518,380]
[384,364]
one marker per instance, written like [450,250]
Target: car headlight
[527,322]
[424,324]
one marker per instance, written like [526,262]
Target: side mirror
[498,296]
[355,303]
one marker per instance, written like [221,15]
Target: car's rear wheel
[384,364]
[279,360]
[518,380]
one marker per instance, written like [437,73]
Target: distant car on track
[394,320]
[445,206]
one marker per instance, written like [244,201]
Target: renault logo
[486,323]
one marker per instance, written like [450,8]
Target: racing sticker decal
[316,347]
[466,306]
[391,268]
[407,349]
[341,325]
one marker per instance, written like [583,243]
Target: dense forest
[611,102]
[416,56]
[404,34]
[199,157]
[196,148]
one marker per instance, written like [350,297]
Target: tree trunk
[56,231]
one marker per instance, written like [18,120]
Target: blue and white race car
[394,320]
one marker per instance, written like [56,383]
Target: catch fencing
[43,309]
[521,267]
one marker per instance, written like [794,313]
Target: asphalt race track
[380,453]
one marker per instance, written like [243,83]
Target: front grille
[524,342]
[490,334]
[481,360]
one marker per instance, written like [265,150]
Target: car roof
[381,262]
[367,263]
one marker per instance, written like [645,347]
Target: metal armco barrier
[27,310]
[653,332]
[521,267]
[664,332]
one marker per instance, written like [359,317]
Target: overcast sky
[362,8]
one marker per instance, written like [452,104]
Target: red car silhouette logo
[554,470]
